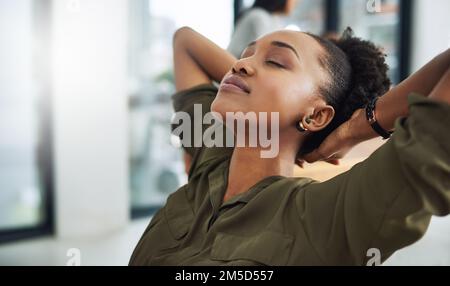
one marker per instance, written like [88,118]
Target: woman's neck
[248,168]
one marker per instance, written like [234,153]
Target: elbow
[180,34]
[447,58]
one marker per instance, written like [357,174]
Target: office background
[86,156]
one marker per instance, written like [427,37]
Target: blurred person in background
[262,18]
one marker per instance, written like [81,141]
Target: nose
[243,68]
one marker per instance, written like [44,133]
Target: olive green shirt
[385,202]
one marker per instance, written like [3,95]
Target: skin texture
[280,81]
[292,91]
[283,81]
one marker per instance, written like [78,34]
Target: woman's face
[280,72]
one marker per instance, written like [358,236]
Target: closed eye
[273,63]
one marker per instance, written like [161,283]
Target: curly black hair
[358,73]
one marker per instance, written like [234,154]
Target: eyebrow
[280,45]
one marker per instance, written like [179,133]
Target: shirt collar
[218,181]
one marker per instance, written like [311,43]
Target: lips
[236,81]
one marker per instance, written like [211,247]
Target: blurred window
[308,15]
[377,21]
[24,130]
[156,167]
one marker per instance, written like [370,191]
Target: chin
[225,103]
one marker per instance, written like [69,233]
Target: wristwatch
[370,114]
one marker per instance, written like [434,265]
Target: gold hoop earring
[300,127]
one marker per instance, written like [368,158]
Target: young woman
[240,209]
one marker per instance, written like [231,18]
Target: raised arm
[386,202]
[390,107]
[394,103]
[198,60]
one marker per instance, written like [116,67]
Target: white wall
[431,36]
[90,116]
[431,26]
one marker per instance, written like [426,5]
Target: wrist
[441,92]
[373,120]
[360,127]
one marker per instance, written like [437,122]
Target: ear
[319,119]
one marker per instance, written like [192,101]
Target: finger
[314,156]
[300,163]
[311,157]
[334,162]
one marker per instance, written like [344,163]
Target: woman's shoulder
[288,185]
[297,183]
